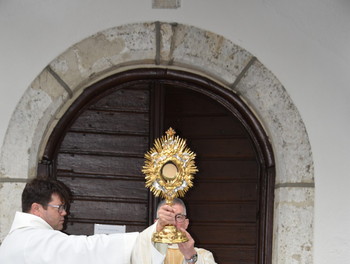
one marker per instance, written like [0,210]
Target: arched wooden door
[98,150]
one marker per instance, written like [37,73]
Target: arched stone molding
[174,46]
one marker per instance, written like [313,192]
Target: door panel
[108,144]
[223,204]
[235,148]
[98,164]
[222,212]
[112,122]
[101,157]
[221,169]
[100,191]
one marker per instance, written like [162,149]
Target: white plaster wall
[306,44]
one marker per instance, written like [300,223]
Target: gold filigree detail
[169,167]
[169,235]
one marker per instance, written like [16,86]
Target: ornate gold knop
[169,169]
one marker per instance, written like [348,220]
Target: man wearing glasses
[35,237]
[182,253]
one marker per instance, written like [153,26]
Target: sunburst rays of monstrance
[169,169]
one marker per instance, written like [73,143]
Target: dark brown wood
[98,150]
[222,205]
[100,159]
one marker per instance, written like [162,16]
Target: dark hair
[40,191]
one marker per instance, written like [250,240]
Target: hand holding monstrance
[169,170]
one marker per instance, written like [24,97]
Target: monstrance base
[169,235]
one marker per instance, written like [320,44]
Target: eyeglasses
[180,218]
[61,208]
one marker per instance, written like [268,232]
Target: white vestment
[145,253]
[32,240]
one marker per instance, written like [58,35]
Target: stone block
[293,231]
[282,121]
[112,48]
[34,113]
[10,202]
[204,51]
[166,4]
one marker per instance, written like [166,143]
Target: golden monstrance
[169,169]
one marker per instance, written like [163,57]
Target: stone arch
[176,46]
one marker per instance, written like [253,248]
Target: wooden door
[98,151]
[100,159]
[223,204]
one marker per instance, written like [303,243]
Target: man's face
[178,209]
[51,215]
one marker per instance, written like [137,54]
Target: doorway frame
[226,98]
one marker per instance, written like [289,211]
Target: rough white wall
[306,44]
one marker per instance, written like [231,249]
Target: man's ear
[187,222]
[35,209]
